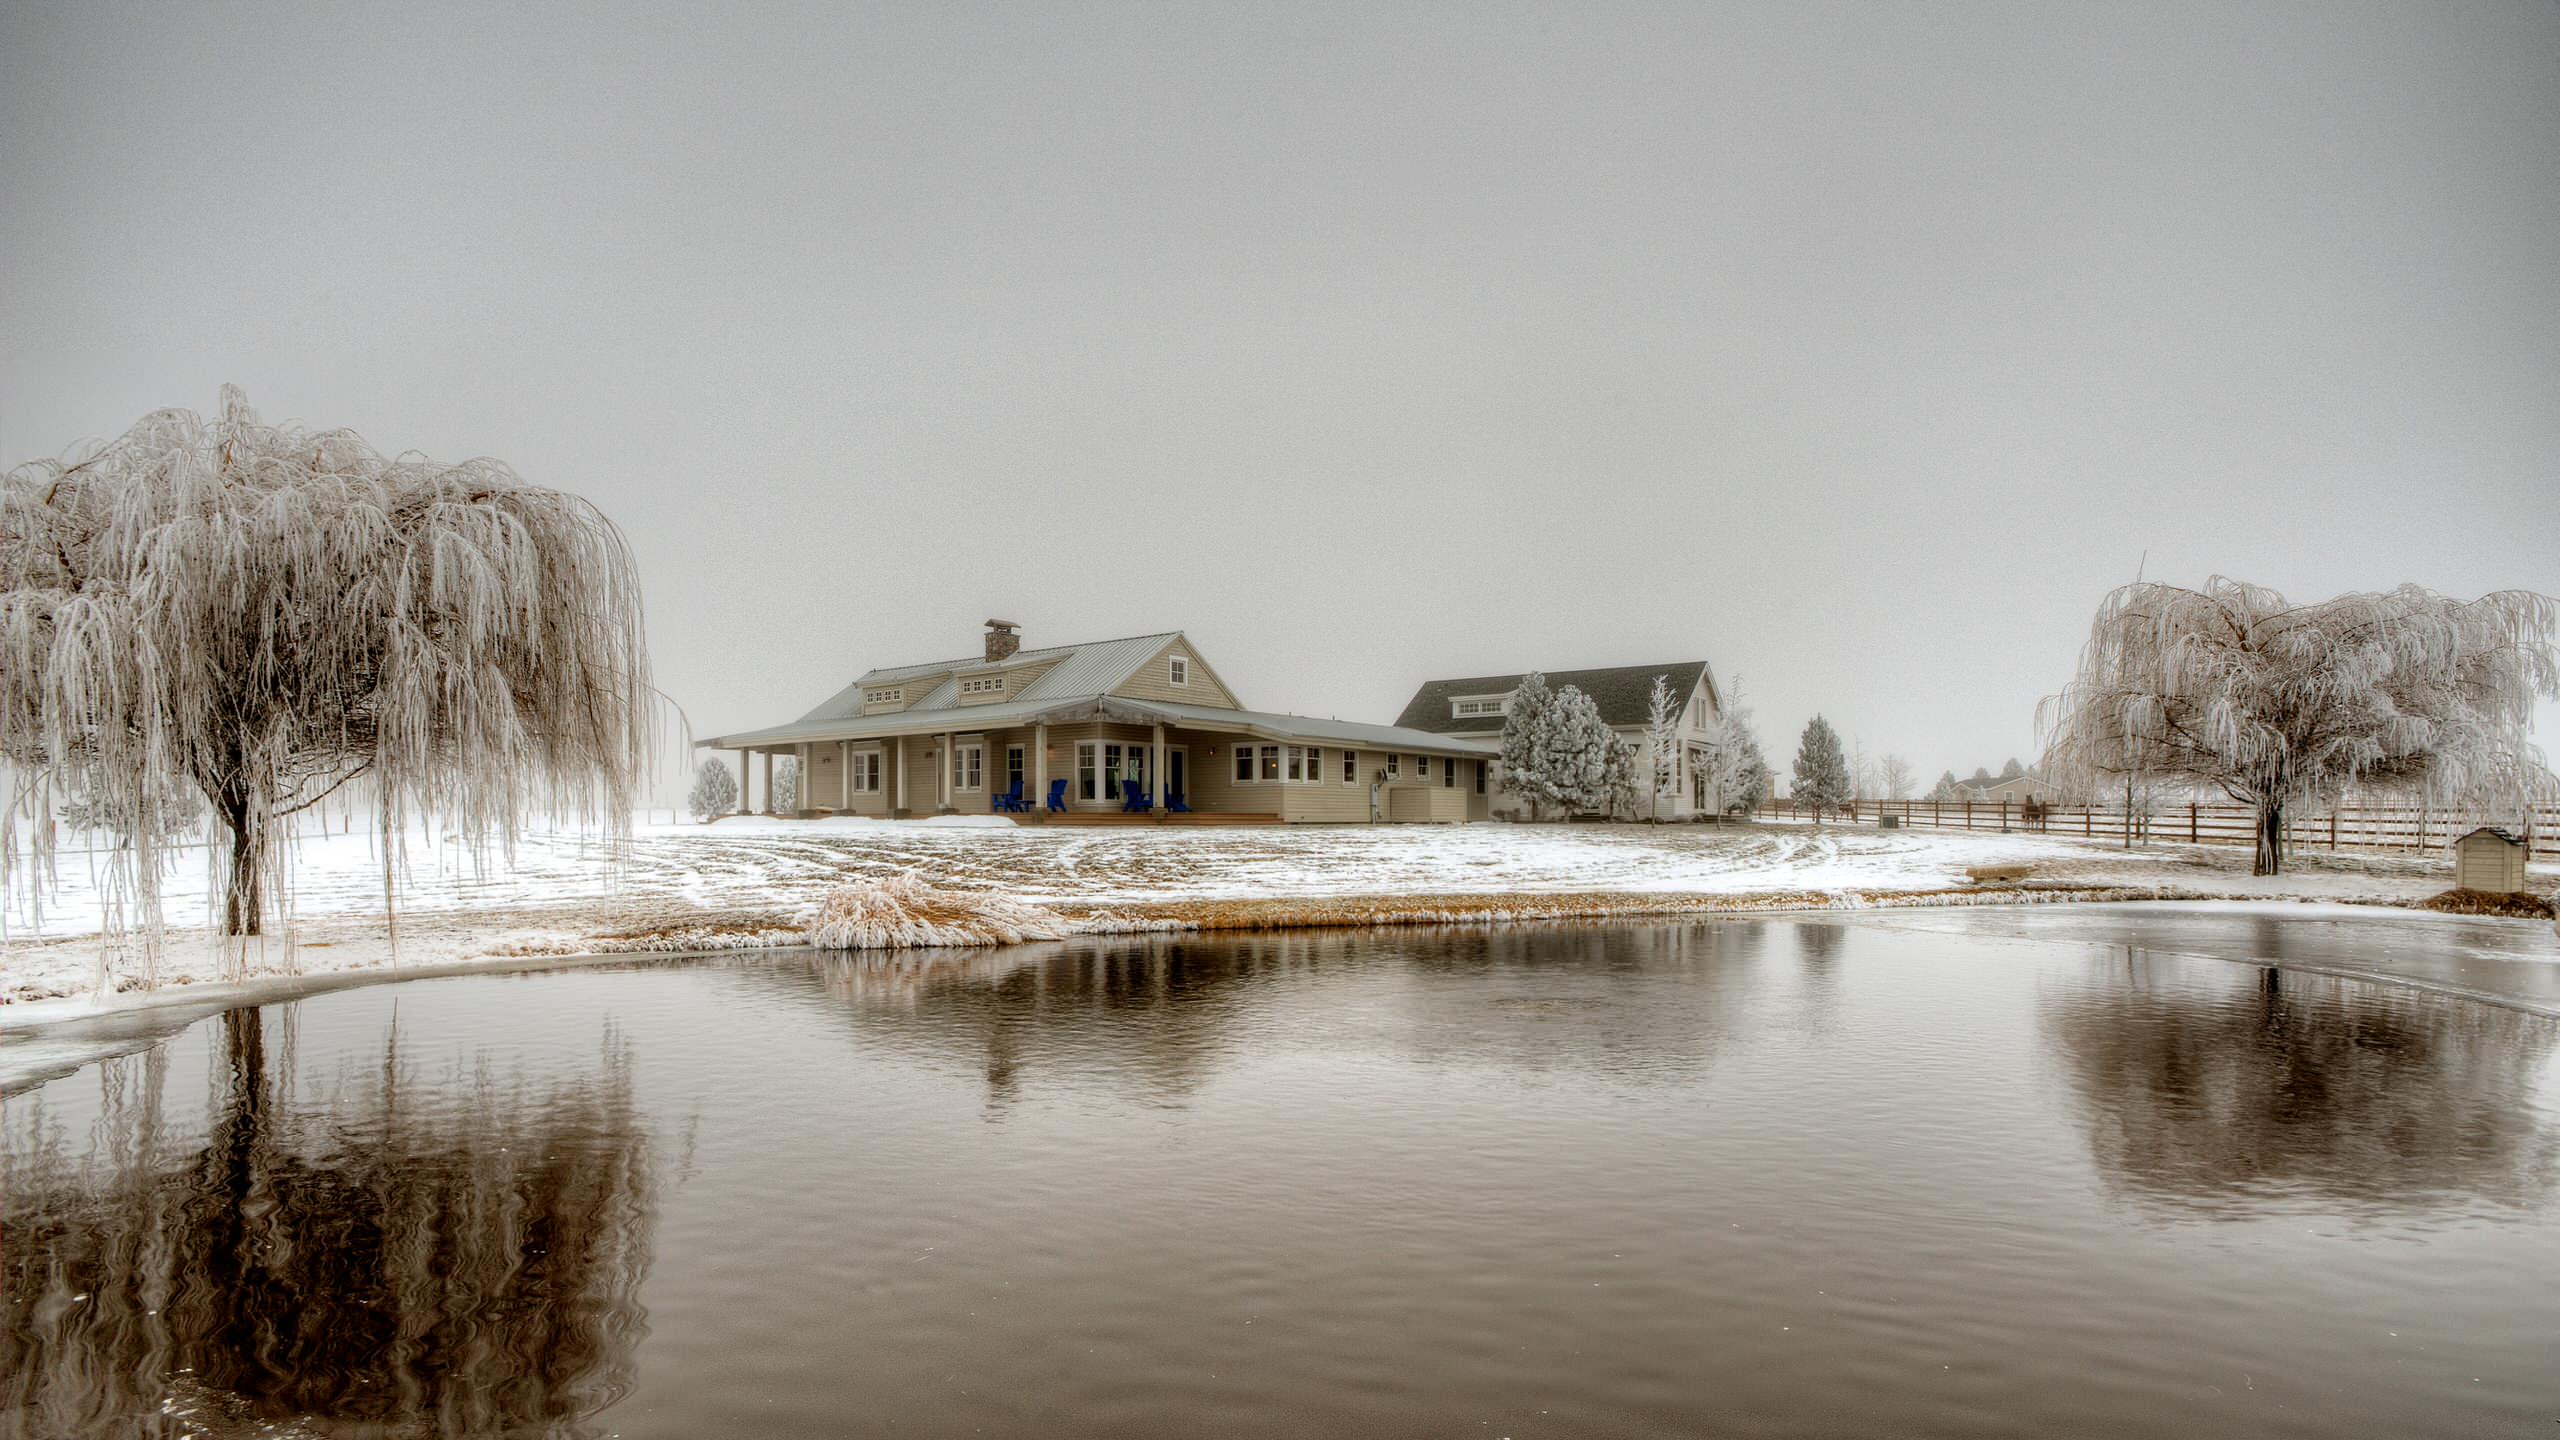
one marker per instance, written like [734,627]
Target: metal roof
[1624,693]
[970,719]
[1085,669]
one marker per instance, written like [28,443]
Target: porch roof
[968,720]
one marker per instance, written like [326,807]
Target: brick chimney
[1001,641]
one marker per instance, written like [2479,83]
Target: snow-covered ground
[749,880]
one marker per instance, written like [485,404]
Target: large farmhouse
[1474,708]
[1110,730]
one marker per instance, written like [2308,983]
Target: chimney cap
[1002,625]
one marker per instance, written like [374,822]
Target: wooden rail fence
[2348,827]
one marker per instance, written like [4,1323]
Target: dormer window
[986,685]
[1178,670]
[890,696]
[1473,707]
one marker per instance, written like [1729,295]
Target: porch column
[1155,768]
[844,775]
[1040,764]
[742,782]
[768,781]
[945,767]
[802,798]
[901,803]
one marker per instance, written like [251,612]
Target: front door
[1177,775]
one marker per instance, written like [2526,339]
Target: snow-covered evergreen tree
[1946,788]
[785,799]
[715,792]
[1822,771]
[2279,705]
[1527,744]
[1662,740]
[2013,769]
[1583,755]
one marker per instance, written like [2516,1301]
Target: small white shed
[2489,859]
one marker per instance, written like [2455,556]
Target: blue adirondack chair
[1057,797]
[1135,799]
[1174,804]
[1008,800]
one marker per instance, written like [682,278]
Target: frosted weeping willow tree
[275,616]
[2280,706]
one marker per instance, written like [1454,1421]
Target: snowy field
[746,880]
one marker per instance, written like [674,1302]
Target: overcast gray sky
[1857,349]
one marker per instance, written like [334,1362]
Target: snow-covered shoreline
[756,883]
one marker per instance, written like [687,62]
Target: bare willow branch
[2280,706]
[269,614]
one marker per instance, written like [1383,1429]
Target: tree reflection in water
[403,1257]
[2297,1083]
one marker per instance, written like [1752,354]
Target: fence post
[2191,822]
[2333,827]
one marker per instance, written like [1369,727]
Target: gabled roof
[1087,669]
[1624,693]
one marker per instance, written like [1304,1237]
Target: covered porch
[1106,762]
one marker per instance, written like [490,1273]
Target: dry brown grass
[1478,909]
[2523,905]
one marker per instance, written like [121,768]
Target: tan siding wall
[1412,803]
[1150,682]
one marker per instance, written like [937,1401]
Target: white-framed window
[1422,767]
[1350,767]
[1244,764]
[865,775]
[1296,761]
[1178,669]
[1015,775]
[1101,767]
[889,696]
[1448,774]
[984,685]
[969,766]
[1270,763]
[1395,766]
[1472,706]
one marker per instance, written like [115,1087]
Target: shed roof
[1624,693]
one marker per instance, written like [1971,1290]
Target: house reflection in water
[459,1256]
[1155,1018]
[2301,1083]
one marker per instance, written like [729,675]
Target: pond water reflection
[1739,1177]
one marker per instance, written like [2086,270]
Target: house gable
[1155,678]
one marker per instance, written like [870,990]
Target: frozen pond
[1980,1173]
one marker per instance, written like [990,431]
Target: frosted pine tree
[1527,744]
[785,799]
[1822,772]
[1946,788]
[715,792]
[276,616]
[1579,754]
[1662,740]
[2283,706]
